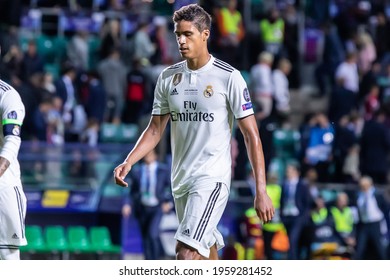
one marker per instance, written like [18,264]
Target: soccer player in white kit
[12,198]
[201,96]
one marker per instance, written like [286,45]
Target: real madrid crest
[177,78]
[16,130]
[208,92]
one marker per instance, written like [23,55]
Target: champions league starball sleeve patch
[12,115]
[247,97]
[247,106]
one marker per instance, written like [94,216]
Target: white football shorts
[199,212]
[13,205]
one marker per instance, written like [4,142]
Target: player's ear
[205,34]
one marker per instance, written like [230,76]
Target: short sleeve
[12,113]
[239,96]
[160,103]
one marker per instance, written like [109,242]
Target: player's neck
[199,62]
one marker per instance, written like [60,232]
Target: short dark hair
[195,14]
[294,164]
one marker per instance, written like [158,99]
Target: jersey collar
[206,67]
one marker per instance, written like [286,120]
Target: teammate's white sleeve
[13,113]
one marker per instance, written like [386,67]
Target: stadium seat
[53,69]
[94,43]
[128,132]
[52,48]
[101,240]
[47,48]
[24,39]
[78,240]
[118,133]
[286,143]
[56,240]
[60,44]
[162,7]
[109,132]
[35,240]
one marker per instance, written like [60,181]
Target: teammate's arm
[147,142]
[4,164]
[262,202]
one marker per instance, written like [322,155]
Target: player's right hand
[120,173]
[264,208]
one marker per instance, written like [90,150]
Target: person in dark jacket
[375,148]
[294,208]
[149,199]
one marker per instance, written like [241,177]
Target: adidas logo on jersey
[15,236]
[186,232]
[174,92]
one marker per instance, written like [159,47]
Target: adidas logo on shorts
[14,236]
[186,232]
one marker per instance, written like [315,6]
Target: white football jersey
[12,114]
[202,105]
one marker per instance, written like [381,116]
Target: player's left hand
[264,208]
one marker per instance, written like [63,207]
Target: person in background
[319,146]
[311,179]
[262,85]
[144,47]
[294,208]
[372,102]
[344,217]
[78,49]
[324,239]
[66,89]
[374,148]
[113,73]
[272,32]
[366,53]
[32,62]
[136,99]
[281,87]
[274,190]
[346,93]
[231,32]
[350,171]
[110,37]
[150,198]
[332,55]
[373,210]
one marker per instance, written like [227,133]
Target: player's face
[190,40]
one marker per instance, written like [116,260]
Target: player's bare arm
[4,164]
[262,202]
[147,142]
